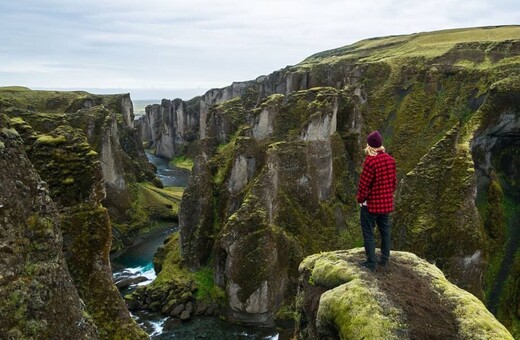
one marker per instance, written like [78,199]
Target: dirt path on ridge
[428,316]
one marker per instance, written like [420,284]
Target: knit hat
[375,139]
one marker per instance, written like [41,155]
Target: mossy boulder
[408,299]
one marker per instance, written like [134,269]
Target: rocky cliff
[279,156]
[408,299]
[78,153]
[38,298]
[169,127]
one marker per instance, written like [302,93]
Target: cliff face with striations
[446,103]
[170,126]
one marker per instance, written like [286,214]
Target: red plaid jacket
[377,183]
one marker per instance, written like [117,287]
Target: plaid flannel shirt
[377,183]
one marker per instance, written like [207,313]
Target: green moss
[223,161]
[356,310]
[161,203]
[233,110]
[182,162]
[68,180]
[353,305]
[207,291]
[87,230]
[65,160]
[172,271]
[429,45]
[353,301]
[508,312]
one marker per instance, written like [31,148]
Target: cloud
[202,43]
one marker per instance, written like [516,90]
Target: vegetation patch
[182,162]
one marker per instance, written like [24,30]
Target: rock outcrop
[279,180]
[38,298]
[407,299]
[169,127]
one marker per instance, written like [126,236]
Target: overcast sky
[177,48]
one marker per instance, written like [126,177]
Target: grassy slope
[429,45]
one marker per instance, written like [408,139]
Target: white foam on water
[146,271]
[158,327]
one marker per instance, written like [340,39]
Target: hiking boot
[369,265]
[382,263]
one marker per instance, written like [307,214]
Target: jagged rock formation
[74,152]
[278,180]
[38,299]
[107,123]
[446,103]
[408,299]
[169,127]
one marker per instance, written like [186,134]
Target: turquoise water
[170,177]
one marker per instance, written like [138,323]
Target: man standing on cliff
[375,196]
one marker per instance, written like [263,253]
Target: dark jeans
[368,222]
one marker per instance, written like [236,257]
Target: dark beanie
[375,139]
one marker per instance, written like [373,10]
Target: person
[375,196]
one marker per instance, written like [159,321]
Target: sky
[167,49]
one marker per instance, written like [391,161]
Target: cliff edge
[407,299]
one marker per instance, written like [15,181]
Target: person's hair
[370,151]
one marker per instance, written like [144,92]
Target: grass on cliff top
[427,44]
[20,97]
[38,100]
[158,200]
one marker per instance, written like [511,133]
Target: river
[138,261]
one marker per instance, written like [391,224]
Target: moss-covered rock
[37,297]
[176,288]
[65,160]
[107,124]
[87,246]
[340,299]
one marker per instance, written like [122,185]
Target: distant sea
[141,104]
